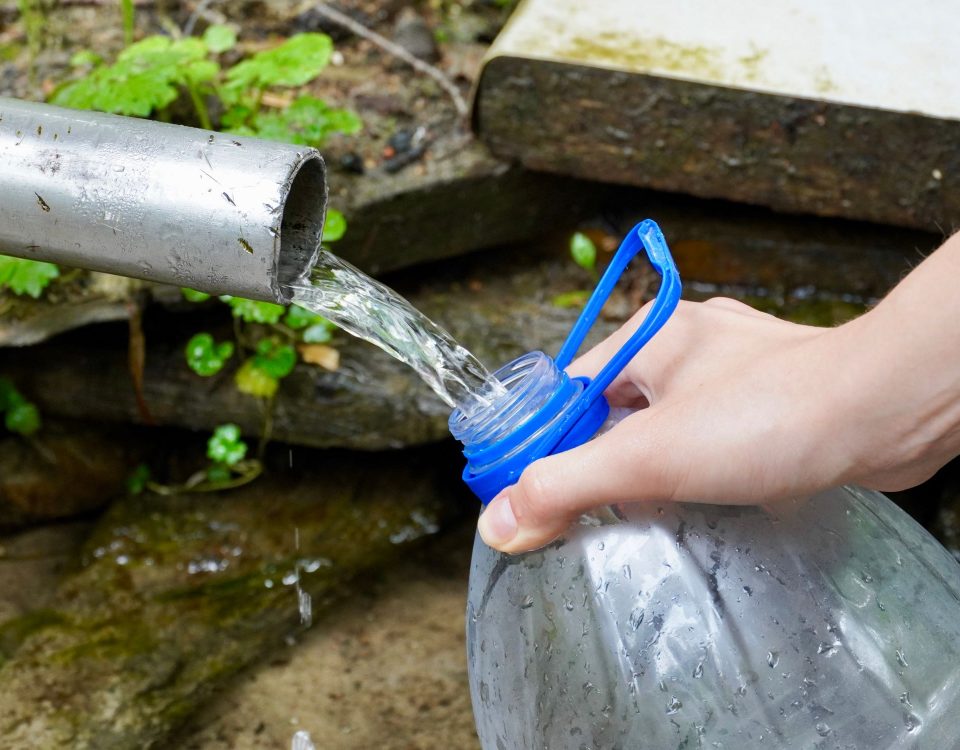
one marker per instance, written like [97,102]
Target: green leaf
[145,77]
[192,295]
[23,418]
[253,311]
[219,38]
[85,57]
[205,357]
[137,481]
[251,380]
[295,62]
[335,226]
[577,298]
[26,276]
[308,121]
[298,317]
[225,445]
[316,329]
[274,358]
[583,251]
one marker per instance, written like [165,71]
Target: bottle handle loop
[644,236]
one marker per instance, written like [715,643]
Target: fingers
[555,490]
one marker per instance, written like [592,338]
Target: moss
[10,51]
[16,631]
[653,53]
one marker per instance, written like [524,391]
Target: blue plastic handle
[644,236]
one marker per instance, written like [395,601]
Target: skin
[734,406]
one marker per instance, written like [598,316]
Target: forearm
[900,388]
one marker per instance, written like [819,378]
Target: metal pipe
[219,213]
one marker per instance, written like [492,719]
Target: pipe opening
[301,226]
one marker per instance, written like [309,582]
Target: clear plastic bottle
[829,622]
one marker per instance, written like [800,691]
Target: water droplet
[305,606]
[567,604]
[600,546]
[828,649]
[773,658]
[748,591]
[698,671]
[901,659]
[626,572]
[587,688]
[867,578]
[912,722]
[880,604]
[673,706]
[302,741]
[527,602]
[823,730]
[484,692]
[905,699]
[636,617]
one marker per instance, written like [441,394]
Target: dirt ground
[385,670]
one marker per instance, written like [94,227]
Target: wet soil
[388,671]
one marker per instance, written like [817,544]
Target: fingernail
[497,523]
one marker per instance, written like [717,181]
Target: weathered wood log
[371,402]
[176,594]
[865,128]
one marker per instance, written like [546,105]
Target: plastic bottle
[829,622]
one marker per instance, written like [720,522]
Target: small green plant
[126,10]
[229,467]
[19,415]
[28,277]
[152,75]
[584,254]
[206,357]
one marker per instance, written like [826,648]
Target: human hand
[728,410]
[735,406]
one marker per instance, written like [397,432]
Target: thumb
[618,466]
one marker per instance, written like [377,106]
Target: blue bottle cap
[544,410]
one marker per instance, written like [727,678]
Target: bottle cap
[544,410]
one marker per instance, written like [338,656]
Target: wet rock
[32,564]
[176,594]
[64,470]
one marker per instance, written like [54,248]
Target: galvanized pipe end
[214,212]
[301,224]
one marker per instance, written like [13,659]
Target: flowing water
[368,309]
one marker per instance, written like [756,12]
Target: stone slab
[814,107]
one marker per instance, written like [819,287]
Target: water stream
[368,309]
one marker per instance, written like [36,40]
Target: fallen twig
[342,19]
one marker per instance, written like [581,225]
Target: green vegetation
[584,253]
[28,277]
[205,357]
[154,75]
[19,415]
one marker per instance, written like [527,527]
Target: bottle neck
[535,413]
